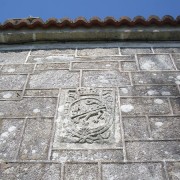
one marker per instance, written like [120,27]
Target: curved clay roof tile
[32,23]
[80,21]
[139,20]
[52,22]
[154,20]
[168,20]
[124,20]
[110,21]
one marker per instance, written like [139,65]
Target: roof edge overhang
[91,34]
[139,29]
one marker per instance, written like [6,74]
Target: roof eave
[155,33]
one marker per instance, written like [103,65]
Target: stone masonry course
[90,111]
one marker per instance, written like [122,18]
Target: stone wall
[90,111]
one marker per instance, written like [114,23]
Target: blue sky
[87,8]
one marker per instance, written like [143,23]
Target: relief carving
[89,115]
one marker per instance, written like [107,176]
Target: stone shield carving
[88,115]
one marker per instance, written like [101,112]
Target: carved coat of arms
[88,115]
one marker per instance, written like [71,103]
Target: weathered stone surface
[118,108]
[87,118]
[104,79]
[128,51]
[105,58]
[42,92]
[152,151]
[18,68]
[173,170]
[165,127]
[175,102]
[166,50]
[96,65]
[162,128]
[53,79]
[128,66]
[69,58]
[36,139]
[25,171]
[49,66]
[20,37]
[52,51]
[10,138]
[98,52]
[145,90]
[81,171]
[88,155]
[155,77]
[28,107]
[13,57]
[155,62]
[177,65]
[135,128]
[12,82]
[144,106]
[130,171]
[51,59]
[176,57]
[9,95]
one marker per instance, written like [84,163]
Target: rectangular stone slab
[36,139]
[81,171]
[153,151]
[105,58]
[128,51]
[128,66]
[36,107]
[29,171]
[50,66]
[12,82]
[88,155]
[156,128]
[54,79]
[96,65]
[87,118]
[156,78]
[9,95]
[155,62]
[135,128]
[132,171]
[105,78]
[165,127]
[52,51]
[98,52]
[10,138]
[18,68]
[144,106]
[50,59]
[42,92]
[147,90]
[13,57]
[166,50]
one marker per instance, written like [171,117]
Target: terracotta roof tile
[33,23]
